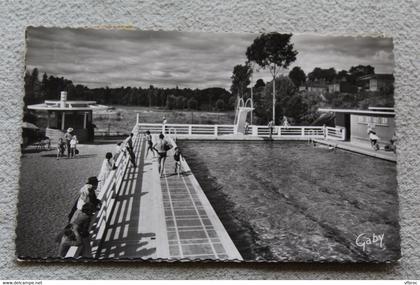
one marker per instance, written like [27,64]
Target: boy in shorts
[177,158]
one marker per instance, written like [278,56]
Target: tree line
[37,90]
[330,75]
[281,96]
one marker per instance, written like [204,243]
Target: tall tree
[320,74]
[259,83]
[240,79]
[360,70]
[297,75]
[275,52]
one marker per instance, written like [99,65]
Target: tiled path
[168,218]
[194,231]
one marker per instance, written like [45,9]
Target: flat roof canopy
[360,112]
[50,105]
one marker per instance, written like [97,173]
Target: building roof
[360,112]
[68,106]
[387,109]
[316,85]
[377,76]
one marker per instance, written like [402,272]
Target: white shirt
[84,196]
[105,169]
[73,143]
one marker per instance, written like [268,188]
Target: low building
[315,87]
[376,82]
[357,122]
[342,87]
[64,114]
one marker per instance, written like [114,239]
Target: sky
[114,58]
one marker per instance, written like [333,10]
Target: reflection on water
[291,201]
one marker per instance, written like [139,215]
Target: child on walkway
[177,158]
[73,146]
[149,144]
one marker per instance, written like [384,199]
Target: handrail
[217,130]
[110,188]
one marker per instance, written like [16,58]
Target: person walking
[162,147]
[149,144]
[67,137]
[73,146]
[107,166]
[130,148]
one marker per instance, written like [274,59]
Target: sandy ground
[48,189]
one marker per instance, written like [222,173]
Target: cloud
[114,58]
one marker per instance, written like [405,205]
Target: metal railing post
[254,130]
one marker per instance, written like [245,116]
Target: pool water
[291,201]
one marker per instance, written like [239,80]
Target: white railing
[219,130]
[337,133]
[108,192]
[185,129]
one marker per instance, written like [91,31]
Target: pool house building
[355,123]
[64,114]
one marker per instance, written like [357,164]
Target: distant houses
[343,87]
[376,82]
[371,82]
[315,87]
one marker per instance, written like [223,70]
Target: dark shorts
[150,144]
[162,154]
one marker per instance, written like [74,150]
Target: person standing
[270,128]
[61,148]
[246,127]
[164,124]
[162,147]
[107,166]
[177,158]
[67,137]
[130,148]
[285,122]
[87,194]
[73,146]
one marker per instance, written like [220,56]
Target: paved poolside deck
[359,148]
[164,218]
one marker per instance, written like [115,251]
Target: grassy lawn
[125,117]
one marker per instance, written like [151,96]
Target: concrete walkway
[360,148]
[164,218]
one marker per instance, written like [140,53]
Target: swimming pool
[291,201]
